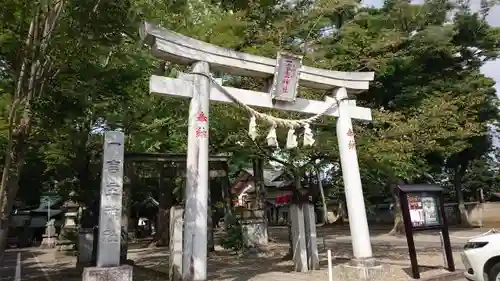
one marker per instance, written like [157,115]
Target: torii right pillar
[363,266]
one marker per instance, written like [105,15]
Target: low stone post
[311,238]
[298,239]
[85,247]
[254,229]
[175,245]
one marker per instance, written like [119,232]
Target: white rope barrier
[330,275]
[477,236]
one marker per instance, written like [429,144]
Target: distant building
[278,193]
[494,197]
[37,216]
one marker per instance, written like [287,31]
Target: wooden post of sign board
[446,234]
[438,223]
[412,252]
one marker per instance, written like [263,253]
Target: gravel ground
[151,263]
[271,266]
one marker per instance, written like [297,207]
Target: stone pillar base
[119,273]
[65,245]
[298,231]
[368,269]
[58,254]
[254,233]
[254,228]
[311,237]
[48,242]
[85,247]
[175,245]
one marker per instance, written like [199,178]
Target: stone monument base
[65,245]
[254,228]
[48,242]
[119,273]
[367,269]
[85,247]
[254,233]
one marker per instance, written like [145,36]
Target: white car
[481,257]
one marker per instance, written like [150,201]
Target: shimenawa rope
[291,123]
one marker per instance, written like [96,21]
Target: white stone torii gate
[174,47]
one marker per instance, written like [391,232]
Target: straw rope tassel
[291,139]
[252,128]
[272,139]
[308,136]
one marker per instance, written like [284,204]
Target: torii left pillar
[194,250]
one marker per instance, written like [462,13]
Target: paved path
[22,265]
[379,236]
[9,266]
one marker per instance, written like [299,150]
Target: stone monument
[50,235]
[108,266]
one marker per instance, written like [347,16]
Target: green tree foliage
[431,105]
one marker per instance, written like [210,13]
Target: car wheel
[494,274]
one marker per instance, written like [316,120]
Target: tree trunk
[226,192]
[398,227]
[34,69]
[129,225]
[14,161]
[130,181]
[126,204]
[210,222]
[165,184]
[295,198]
[342,213]
[322,193]
[464,215]
[258,170]
[82,162]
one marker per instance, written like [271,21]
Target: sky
[493,19]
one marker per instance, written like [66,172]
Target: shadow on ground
[151,263]
[222,265]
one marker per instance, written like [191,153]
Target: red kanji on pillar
[202,117]
[202,125]
[201,132]
[352,145]
[350,133]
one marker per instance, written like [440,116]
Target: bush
[233,238]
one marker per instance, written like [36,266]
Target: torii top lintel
[177,48]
